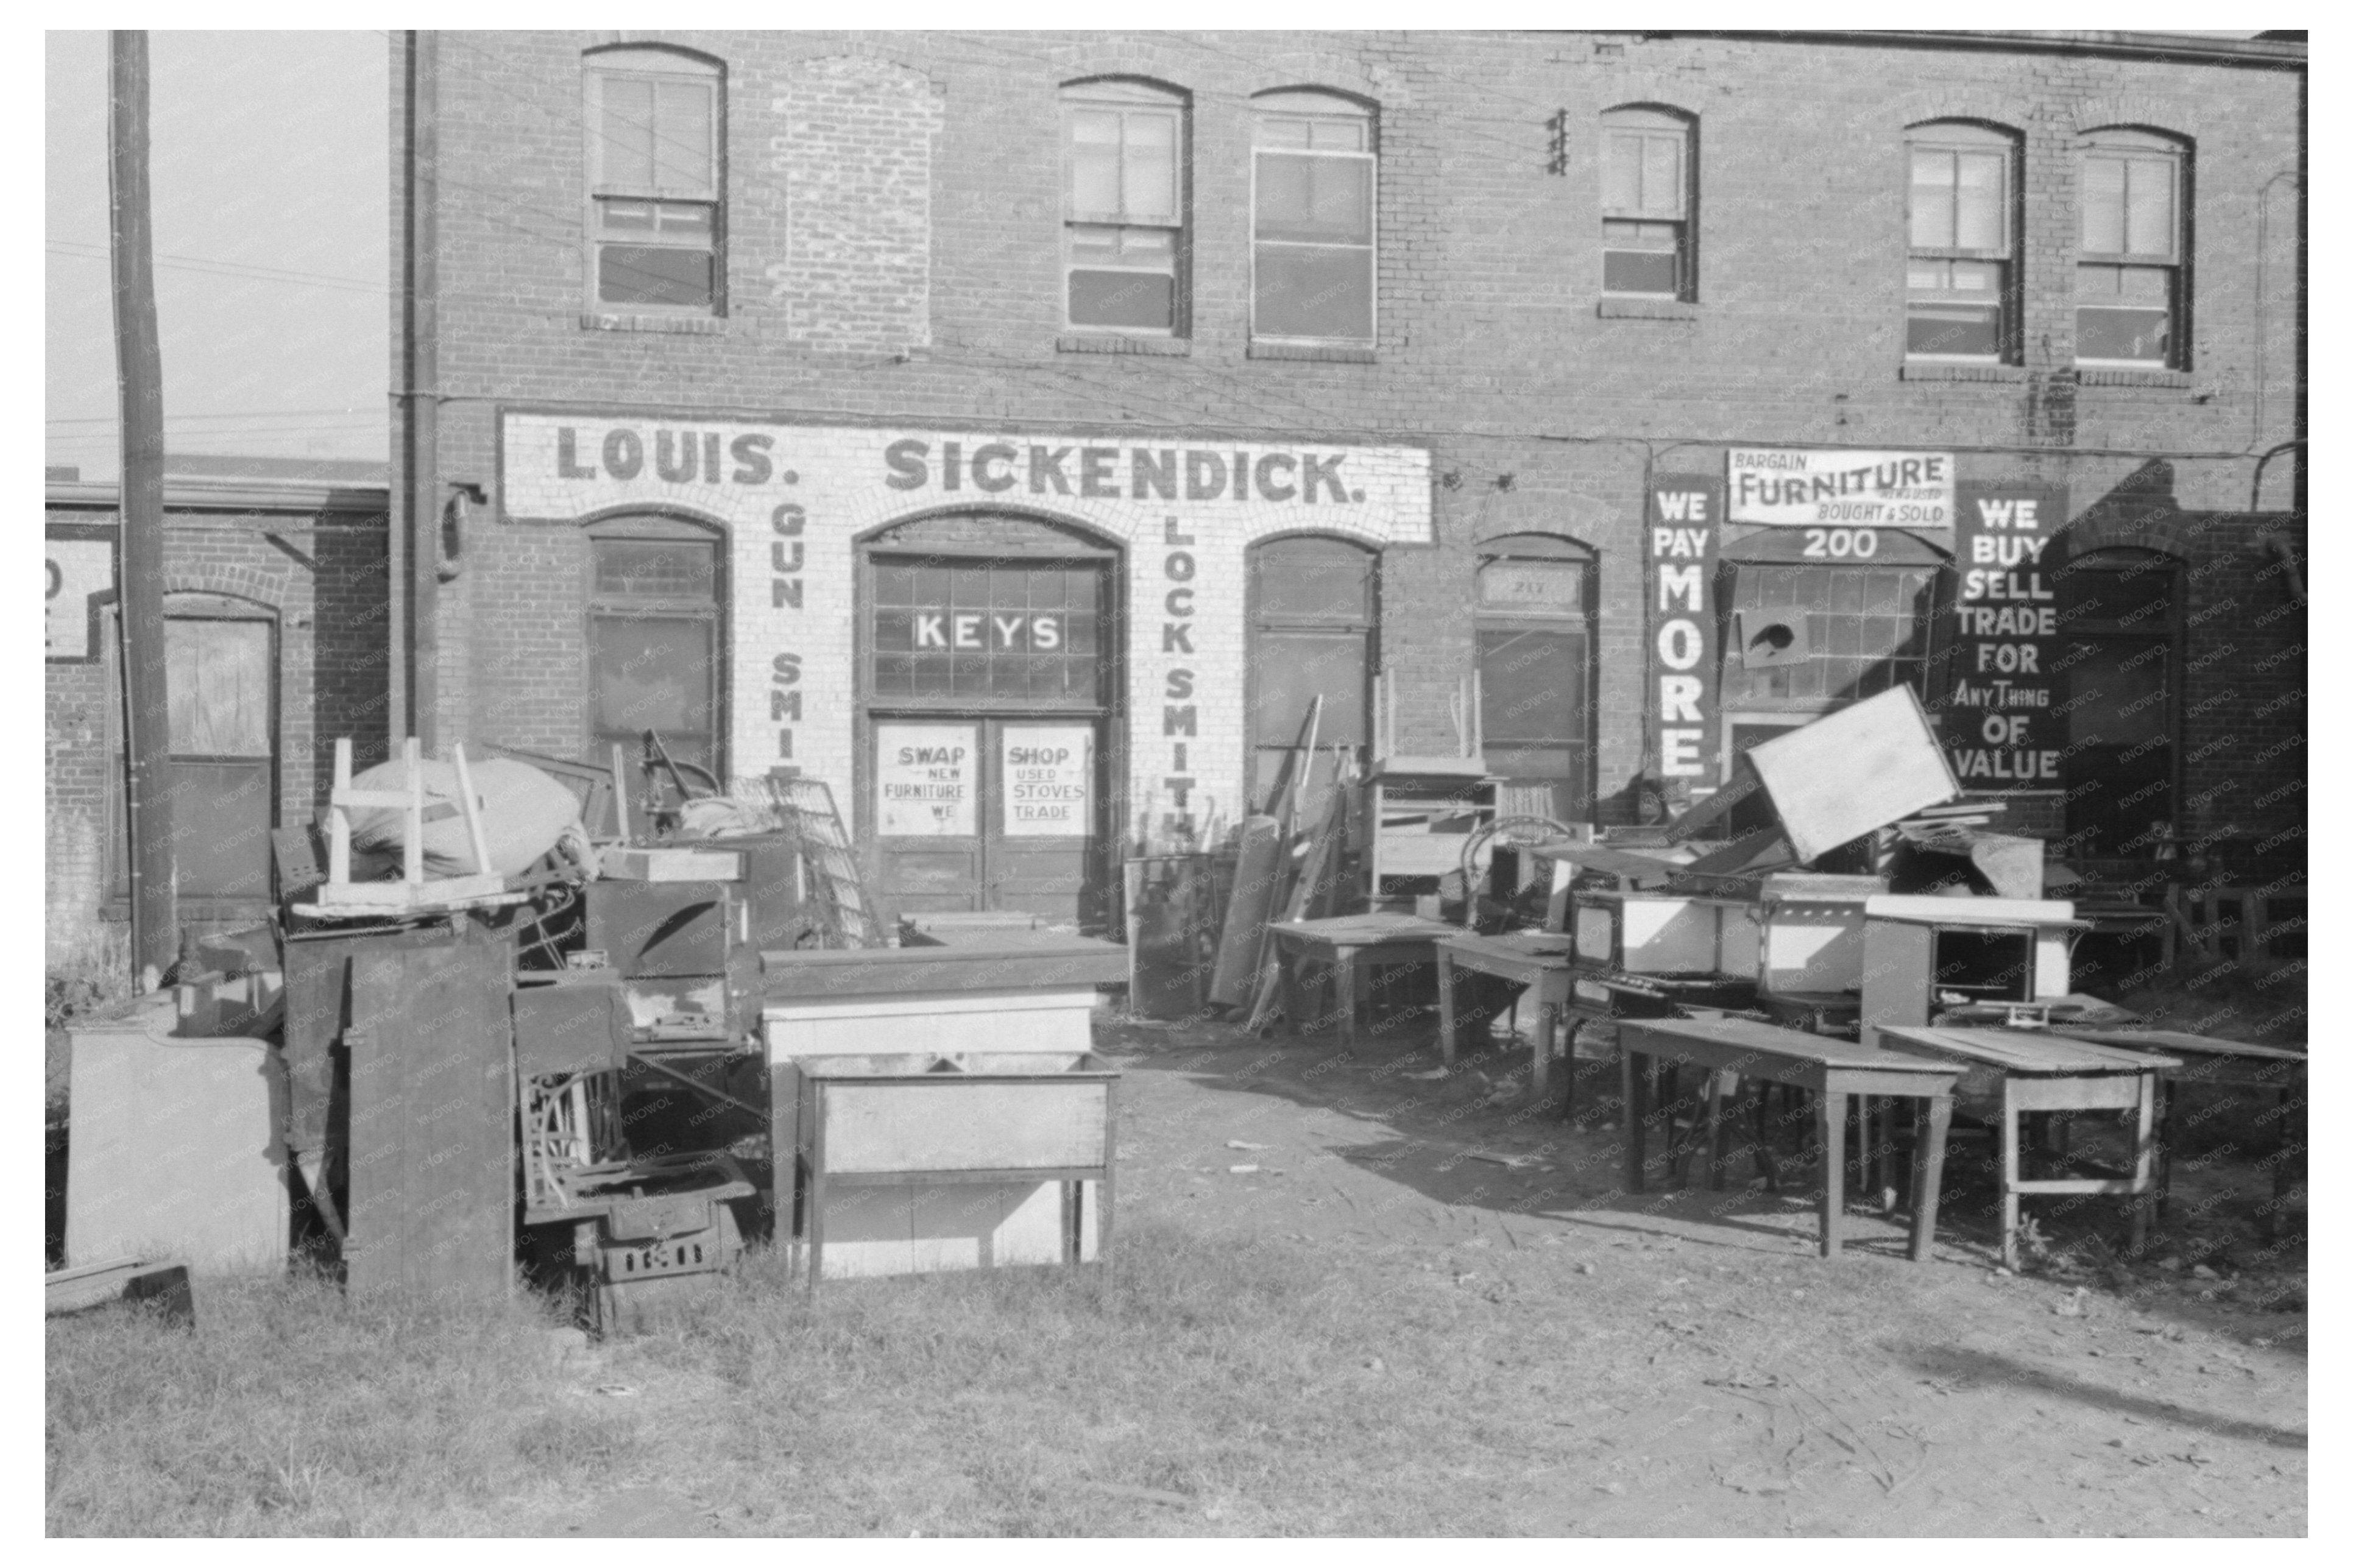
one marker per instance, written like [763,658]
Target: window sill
[2121,375]
[615,322]
[1331,353]
[1928,371]
[1111,343]
[1634,309]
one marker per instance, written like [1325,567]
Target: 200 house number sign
[1841,543]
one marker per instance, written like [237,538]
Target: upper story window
[1123,207]
[655,211]
[1648,204]
[1312,219]
[1961,281]
[2130,296]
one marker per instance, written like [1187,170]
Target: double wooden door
[971,812]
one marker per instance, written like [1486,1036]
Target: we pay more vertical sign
[2004,725]
[1681,542]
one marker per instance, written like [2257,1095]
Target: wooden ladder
[848,916]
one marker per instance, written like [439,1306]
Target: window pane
[2117,694]
[1979,215]
[1152,247]
[1151,167]
[2104,205]
[1308,292]
[652,275]
[1337,135]
[1971,329]
[682,142]
[628,132]
[1095,162]
[1641,272]
[1532,686]
[1928,276]
[1622,174]
[685,218]
[2148,228]
[1932,199]
[1312,579]
[657,568]
[1663,176]
[1145,299]
[1974,277]
[627,217]
[1315,198]
[217,683]
[2125,333]
[1097,243]
[652,673]
[1294,667]
[1278,132]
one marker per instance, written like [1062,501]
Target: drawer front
[963,1125]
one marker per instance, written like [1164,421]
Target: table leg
[1539,1075]
[2009,1184]
[1445,1007]
[2143,1164]
[1928,1171]
[1287,989]
[2267,1223]
[2164,1146]
[1569,1025]
[1715,1131]
[1831,1111]
[1632,1068]
[1345,975]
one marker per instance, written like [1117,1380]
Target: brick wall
[323,576]
[1492,350]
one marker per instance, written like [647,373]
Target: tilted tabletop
[1715,1039]
[2144,1041]
[2026,1052]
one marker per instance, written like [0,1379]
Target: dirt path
[1718,1377]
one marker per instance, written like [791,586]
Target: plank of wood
[432,1114]
[958,1124]
[2024,1050]
[669,863]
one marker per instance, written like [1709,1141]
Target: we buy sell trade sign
[2003,726]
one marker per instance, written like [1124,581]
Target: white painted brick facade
[835,484]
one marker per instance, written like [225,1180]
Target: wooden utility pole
[139,548]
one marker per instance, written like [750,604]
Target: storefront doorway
[988,698]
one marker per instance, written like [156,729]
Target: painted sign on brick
[1685,518]
[2004,725]
[1793,488]
[78,572]
[794,501]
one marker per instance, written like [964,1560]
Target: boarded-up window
[221,673]
[1534,648]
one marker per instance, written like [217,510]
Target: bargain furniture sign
[1792,488]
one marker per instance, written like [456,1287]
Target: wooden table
[2013,1072]
[2231,1064]
[1536,960]
[1831,1069]
[1352,946]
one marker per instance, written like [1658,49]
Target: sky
[272,245]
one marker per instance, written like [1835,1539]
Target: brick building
[275,640]
[1015,429]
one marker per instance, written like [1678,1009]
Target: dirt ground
[1743,1385]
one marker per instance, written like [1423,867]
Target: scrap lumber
[91,1285]
[1239,939]
[1321,852]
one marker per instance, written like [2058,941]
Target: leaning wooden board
[432,1120]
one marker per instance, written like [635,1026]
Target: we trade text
[1117,473]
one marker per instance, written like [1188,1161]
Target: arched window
[1312,623]
[1650,204]
[656,584]
[1961,282]
[1123,207]
[1534,625]
[2131,288]
[1312,220]
[656,210]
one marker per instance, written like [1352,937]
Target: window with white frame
[1647,203]
[655,211]
[1961,278]
[1123,207]
[1312,275]
[2129,272]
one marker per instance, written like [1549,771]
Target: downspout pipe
[413,549]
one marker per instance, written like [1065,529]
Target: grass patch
[1227,1388]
